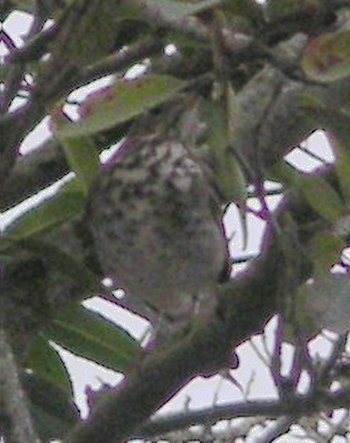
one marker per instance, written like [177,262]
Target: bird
[156,220]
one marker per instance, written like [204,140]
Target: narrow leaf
[83,159]
[49,214]
[45,361]
[327,302]
[91,336]
[323,199]
[301,320]
[327,57]
[52,410]
[325,252]
[228,173]
[126,99]
[169,10]
[341,144]
[81,153]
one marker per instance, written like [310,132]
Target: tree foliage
[262,77]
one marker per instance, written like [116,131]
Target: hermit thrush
[155,220]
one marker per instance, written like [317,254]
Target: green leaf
[175,10]
[83,159]
[337,123]
[81,38]
[325,251]
[301,320]
[284,173]
[81,153]
[169,10]
[227,170]
[6,246]
[52,410]
[342,165]
[24,5]
[343,172]
[30,6]
[187,45]
[310,102]
[327,57]
[277,10]
[49,214]
[127,99]
[319,194]
[45,361]
[91,336]
[322,198]
[228,174]
[232,111]
[327,302]
[244,8]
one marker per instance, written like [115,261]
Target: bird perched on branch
[155,218]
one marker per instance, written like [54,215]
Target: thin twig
[280,427]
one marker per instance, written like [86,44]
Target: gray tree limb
[15,419]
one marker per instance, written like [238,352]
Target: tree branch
[280,427]
[165,371]
[262,408]
[187,25]
[121,60]
[13,403]
[32,173]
